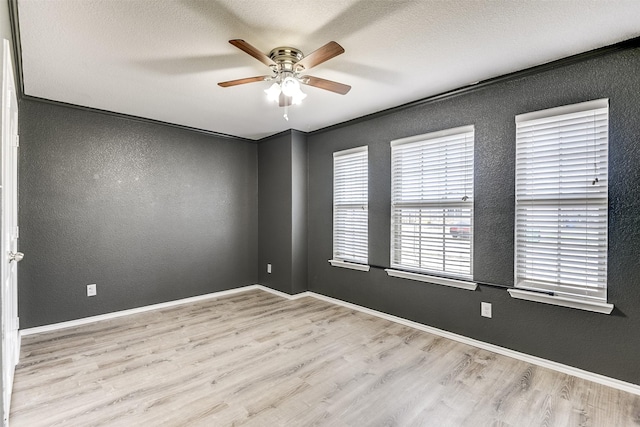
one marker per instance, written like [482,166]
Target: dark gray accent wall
[299,218]
[150,213]
[282,177]
[608,345]
[274,204]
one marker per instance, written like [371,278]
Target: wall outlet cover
[92,290]
[485,309]
[269,268]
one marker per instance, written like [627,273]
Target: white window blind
[561,200]
[432,203]
[351,205]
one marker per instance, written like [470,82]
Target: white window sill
[462,284]
[598,307]
[350,265]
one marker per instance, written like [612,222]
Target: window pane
[433,239]
[350,205]
[561,201]
[432,203]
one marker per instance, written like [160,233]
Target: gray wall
[299,218]
[274,196]
[599,343]
[282,161]
[150,213]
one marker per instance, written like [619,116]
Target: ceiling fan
[287,65]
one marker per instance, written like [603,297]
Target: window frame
[538,207]
[400,200]
[355,256]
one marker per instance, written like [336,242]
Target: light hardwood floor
[255,359]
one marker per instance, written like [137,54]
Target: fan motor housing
[286,57]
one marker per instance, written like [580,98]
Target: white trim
[454,283]
[351,151]
[116,314]
[432,135]
[564,109]
[598,307]
[351,265]
[559,367]
[279,293]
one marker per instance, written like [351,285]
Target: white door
[9,255]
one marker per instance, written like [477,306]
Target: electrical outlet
[485,309]
[269,268]
[91,290]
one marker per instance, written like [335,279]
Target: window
[561,201]
[432,203]
[350,207]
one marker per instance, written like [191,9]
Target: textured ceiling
[162,59]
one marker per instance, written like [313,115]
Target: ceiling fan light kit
[287,65]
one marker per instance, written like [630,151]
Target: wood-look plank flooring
[255,359]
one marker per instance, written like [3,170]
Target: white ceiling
[162,59]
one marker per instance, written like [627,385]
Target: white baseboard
[282,294]
[534,360]
[559,367]
[115,314]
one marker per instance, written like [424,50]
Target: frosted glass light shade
[290,86]
[298,97]
[273,93]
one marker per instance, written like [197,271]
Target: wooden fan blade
[325,53]
[247,48]
[243,81]
[285,101]
[325,84]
